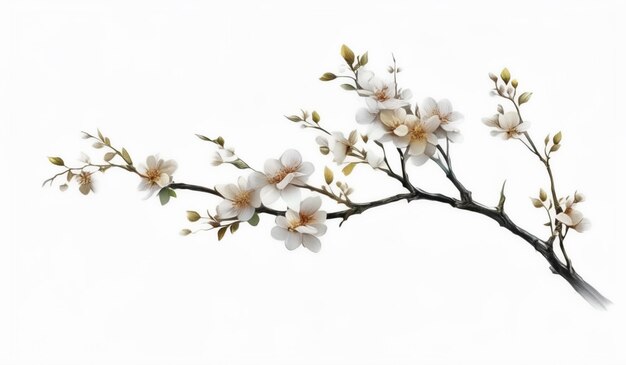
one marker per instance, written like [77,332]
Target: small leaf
[220,141]
[109,156]
[164,196]
[315,116]
[348,169]
[555,148]
[536,203]
[185,232]
[505,75]
[294,118]
[126,157]
[193,216]
[221,233]
[97,145]
[348,87]
[557,138]
[63,187]
[254,220]
[107,141]
[546,140]
[514,83]
[324,150]
[328,175]
[524,98]
[100,135]
[493,77]
[328,76]
[547,224]
[364,59]
[171,192]
[240,164]
[70,175]
[543,195]
[234,227]
[56,161]
[347,54]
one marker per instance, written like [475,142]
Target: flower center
[417,133]
[303,220]
[84,178]
[281,174]
[242,199]
[153,175]
[381,95]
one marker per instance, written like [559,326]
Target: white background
[107,279]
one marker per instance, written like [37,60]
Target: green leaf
[348,169]
[514,83]
[240,164]
[328,175]
[347,55]
[100,135]
[546,140]
[555,148]
[185,232]
[348,87]
[524,98]
[204,138]
[543,195]
[126,156]
[327,76]
[557,138]
[109,156]
[221,233]
[164,196]
[254,220]
[536,203]
[502,198]
[505,75]
[56,161]
[220,141]
[315,116]
[294,118]
[234,227]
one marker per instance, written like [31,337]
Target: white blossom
[85,182]
[240,200]
[340,146]
[380,94]
[281,177]
[302,226]
[156,174]
[571,217]
[506,125]
[374,158]
[447,119]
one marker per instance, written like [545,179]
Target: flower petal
[291,158]
[269,194]
[246,213]
[279,233]
[429,107]
[445,107]
[312,243]
[293,241]
[562,217]
[310,205]
[291,196]
[363,116]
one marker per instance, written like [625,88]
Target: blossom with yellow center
[302,227]
[380,94]
[447,119]
[85,182]
[507,125]
[240,200]
[281,177]
[156,174]
[571,217]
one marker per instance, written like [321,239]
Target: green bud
[543,195]
[347,54]
[328,175]
[193,216]
[315,116]
[514,83]
[557,138]
[185,232]
[505,75]
[56,161]
[524,98]
[536,203]
[328,76]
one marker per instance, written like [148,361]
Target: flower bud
[193,216]
[493,77]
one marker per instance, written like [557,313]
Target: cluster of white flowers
[389,117]
[507,125]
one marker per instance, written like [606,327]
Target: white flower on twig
[302,226]
[85,182]
[380,94]
[281,177]
[506,125]
[447,119]
[571,217]
[156,174]
[240,200]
